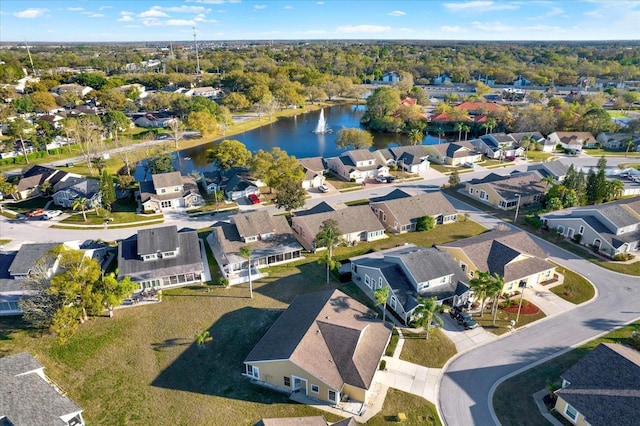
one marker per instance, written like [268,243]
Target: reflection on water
[295,135]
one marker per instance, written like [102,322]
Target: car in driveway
[253,199]
[323,188]
[381,179]
[469,164]
[36,213]
[463,318]
[49,214]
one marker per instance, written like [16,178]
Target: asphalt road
[468,382]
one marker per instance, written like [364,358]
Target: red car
[253,198]
[36,212]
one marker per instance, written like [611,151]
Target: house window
[355,268]
[315,388]
[561,230]
[367,280]
[379,282]
[463,267]
[176,188]
[165,204]
[332,396]
[393,303]
[470,190]
[287,381]
[163,190]
[581,230]
[571,412]
[471,273]
[253,371]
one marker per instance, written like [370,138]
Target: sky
[175,20]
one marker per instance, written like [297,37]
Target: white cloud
[452,29]
[406,30]
[396,13]
[260,6]
[125,17]
[183,9]
[152,13]
[96,15]
[320,2]
[104,7]
[30,13]
[363,29]
[75,9]
[179,22]
[480,6]
[288,7]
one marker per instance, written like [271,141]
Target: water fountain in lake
[322,127]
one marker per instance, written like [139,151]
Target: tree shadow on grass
[170,343]
[217,369]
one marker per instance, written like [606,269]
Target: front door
[299,384]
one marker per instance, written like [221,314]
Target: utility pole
[195,42]
[515,218]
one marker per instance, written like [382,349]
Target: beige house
[326,345]
[168,191]
[513,255]
[314,169]
[603,388]
[573,141]
[358,164]
[401,214]
[357,223]
[506,192]
[454,154]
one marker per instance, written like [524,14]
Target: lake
[295,136]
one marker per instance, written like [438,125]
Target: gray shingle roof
[157,239]
[79,187]
[351,219]
[28,255]
[411,208]
[557,169]
[165,180]
[328,334]
[605,385]
[315,164]
[252,224]
[187,260]
[525,184]
[27,399]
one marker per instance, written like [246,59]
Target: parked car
[323,188]
[49,214]
[465,319]
[511,158]
[253,199]
[35,213]
[390,179]
[381,179]
[469,164]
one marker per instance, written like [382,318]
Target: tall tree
[229,153]
[330,236]
[494,290]
[415,136]
[290,195]
[21,129]
[80,203]
[276,167]
[107,190]
[425,314]
[381,295]
[245,252]
[203,122]
[160,163]
[354,138]
[176,128]
[480,285]
[113,292]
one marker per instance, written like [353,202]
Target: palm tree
[630,144]
[495,290]
[245,251]
[381,295]
[415,136]
[526,143]
[549,180]
[480,286]
[330,236]
[459,127]
[425,313]
[45,187]
[203,338]
[489,125]
[466,129]
[440,131]
[80,203]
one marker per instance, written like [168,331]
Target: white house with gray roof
[358,165]
[357,223]
[168,191]
[29,397]
[611,228]
[411,158]
[454,153]
[269,237]
[401,214]
[159,258]
[411,272]
[71,189]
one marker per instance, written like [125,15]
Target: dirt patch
[528,308]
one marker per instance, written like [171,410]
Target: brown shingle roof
[350,219]
[328,334]
[165,180]
[253,223]
[410,208]
[525,184]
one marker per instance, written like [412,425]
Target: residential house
[269,237]
[152,120]
[52,119]
[611,228]
[401,215]
[168,191]
[357,165]
[314,169]
[65,192]
[557,169]
[235,183]
[29,397]
[620,141]
[357,223]
[207,91]
[602,388]
[390,77]
[455,153]
[411,158]
[129,88]
[536,137]
[521,81]
[28,261]
[160,258]
[411,272]
[441,79]
[325,345]
[498,145]
[573,141]
[480,108]
[76,89]
[512,254]
[32,179]
[507,192]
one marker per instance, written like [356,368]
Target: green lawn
[339,183]
[433,352]
[4,241]
[538,155]
[98,219]
[393,343]
[575,288]
[361,202]
[419,411]
[503,320]
[513,397]
[27,205]
[142,367]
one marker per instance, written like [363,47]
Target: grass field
[503,320]
[513,397]
[575,288]
[433,352]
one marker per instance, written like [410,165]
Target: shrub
[223,281]
[577,238]
[383,365]
[534,220]
[623,257]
